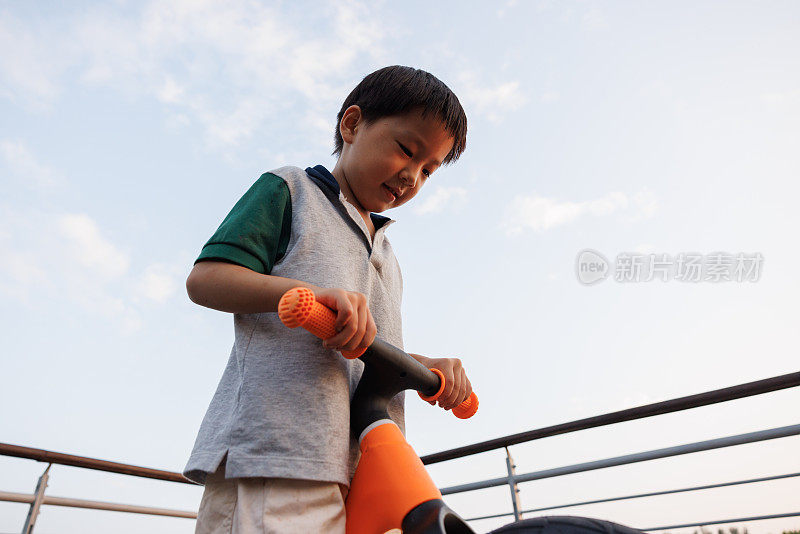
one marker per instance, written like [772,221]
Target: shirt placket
[376,257]
[373,244]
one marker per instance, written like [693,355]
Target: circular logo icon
[591,267]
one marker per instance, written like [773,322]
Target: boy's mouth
[394,193]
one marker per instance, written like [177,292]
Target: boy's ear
[351,119]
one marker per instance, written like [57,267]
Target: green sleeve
[256,232]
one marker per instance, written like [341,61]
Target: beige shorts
[267,505]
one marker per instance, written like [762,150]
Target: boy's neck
[344,187]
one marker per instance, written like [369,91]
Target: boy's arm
[235,289]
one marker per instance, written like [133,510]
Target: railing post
[33,511]
[512,484]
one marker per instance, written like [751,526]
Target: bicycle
[391,491]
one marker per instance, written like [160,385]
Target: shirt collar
[327,182]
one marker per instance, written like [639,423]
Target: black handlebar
[387,371]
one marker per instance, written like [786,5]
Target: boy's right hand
[354,321]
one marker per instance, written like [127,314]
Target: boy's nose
[408,177]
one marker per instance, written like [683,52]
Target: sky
[129,129]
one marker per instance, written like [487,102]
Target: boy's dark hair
[396,90]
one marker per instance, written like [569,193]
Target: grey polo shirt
[282,406]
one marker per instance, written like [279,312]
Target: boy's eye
[404,149]
[426,172]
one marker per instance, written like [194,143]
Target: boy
[274,449]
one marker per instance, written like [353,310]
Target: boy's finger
[464,388]
[343,337]
[345,333]
[358,336]
[344,311]
[336,300]
[460,387]
[363,320]
[450,386]
[372,330]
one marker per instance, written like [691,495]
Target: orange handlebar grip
[465,410]
[299,307]
[439,392]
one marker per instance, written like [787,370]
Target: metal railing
[38,498]
[512,479]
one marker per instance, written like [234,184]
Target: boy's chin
[380,207]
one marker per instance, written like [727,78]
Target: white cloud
[66,258]
[230,66]
[492,101]
[29,65]
[158,282]
[171,92]
[361,27]
[439,198]
[646,205]
[89,248]
[507,6]
[21,162]
[21,270]
[542,213]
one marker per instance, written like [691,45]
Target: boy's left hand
[457,387]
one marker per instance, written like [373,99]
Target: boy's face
[385,163]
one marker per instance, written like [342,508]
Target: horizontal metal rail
[41,455]
[95,505]
[640,412]
[718,443]
[640,495]
[724,521]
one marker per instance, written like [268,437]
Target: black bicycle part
[564,524]
[387,371]
[434,517]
